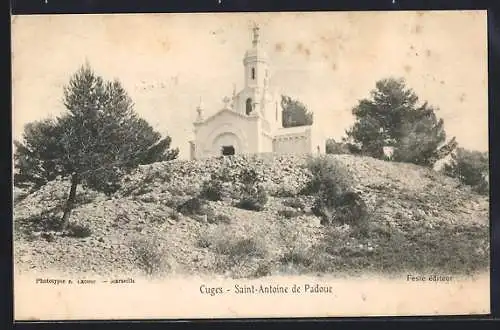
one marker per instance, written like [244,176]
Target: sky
[327,60]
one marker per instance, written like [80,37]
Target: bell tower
[256,63]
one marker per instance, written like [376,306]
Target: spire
[199,109]
[255,40]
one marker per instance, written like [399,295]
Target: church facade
[250,121]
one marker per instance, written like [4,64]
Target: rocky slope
[411,207]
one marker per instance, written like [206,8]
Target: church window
[249,106]
[253,73]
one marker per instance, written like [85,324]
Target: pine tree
[295,113]
[98,140]
[392,117]
[471,168]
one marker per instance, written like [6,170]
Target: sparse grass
[150,256]
[447,249]
[233,253]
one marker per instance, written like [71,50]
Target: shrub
[192,206]
[299,258]
[246,247]
[77,230]
[296,203]
[327,175]
[234,255]
[336,148]
[351,209]
[288,213]
[218,218]
[249,176]
[263,269]
[285,190]
[150,256]
[471,168]
[212,190]
[335,200]
[253,196]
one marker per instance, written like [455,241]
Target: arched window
[249,106]
[253,73]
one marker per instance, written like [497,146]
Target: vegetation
[253,195]
[335,202]
[295,113]
[150,255]
[392,117]
[471,168]
[95,142]
[336,148]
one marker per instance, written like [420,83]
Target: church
[250,122]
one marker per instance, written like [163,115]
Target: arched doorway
[226,144]
[228,150]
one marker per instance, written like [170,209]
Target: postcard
[250,165]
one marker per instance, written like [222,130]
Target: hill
[419,220]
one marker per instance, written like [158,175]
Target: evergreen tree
[471,168]
[392,117]
[295,113]
[95,142]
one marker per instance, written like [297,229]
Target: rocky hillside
[419,220]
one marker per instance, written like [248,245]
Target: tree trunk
[70,201]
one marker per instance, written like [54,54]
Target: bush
[335,200]
[471,168]
[192,206]
[212,190]
[336,148]
[253,196]
[77,230]
[349,208]
[150,256]
[327,175]
[218,218]
[245,247]
[296,203]
[288,213]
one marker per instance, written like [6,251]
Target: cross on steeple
[255,40]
